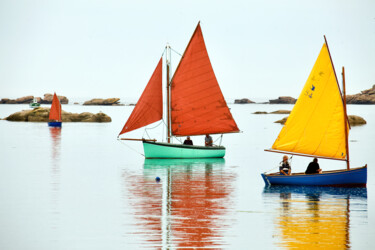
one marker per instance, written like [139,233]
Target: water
[80,188]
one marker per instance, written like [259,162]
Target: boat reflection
[190,205]
[315,217]
[55,134]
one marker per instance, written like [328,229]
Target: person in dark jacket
[188,141]
[313,167]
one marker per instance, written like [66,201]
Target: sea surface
[80,188]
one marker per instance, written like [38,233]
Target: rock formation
[260,113]
[365,97]
[274,112]
[28,99]
[243,101]
[48,99]
[283,100]
[109,101]
[354,120]
[42,114]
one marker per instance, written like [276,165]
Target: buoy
[157,179]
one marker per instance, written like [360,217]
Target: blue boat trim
[55,124]
[186,146]
[356,177]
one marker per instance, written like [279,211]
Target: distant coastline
[365,97]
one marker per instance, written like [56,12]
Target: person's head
[188,137]
[315,160]
[207,135]
[285,158]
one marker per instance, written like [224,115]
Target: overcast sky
[108,48]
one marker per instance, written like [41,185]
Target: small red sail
[149,107]
[197,104]
[55,112]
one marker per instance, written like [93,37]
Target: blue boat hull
[55,124]
[356,177]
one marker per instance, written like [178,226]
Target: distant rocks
[283,100]
[42,114]
[282,121]
[108,102]
[243,101]
[28,99]
[354,120]
[365,97]
[48,99]
[274,112]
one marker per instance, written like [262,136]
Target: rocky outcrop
[42,114]
[354,120]
[109,101]
[283,112]
[283,100]
[7,101]
[28,99]
[282,121]
[48,99]
[365,97]
[243,101]
[21,100]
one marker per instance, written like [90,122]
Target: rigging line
[123,143]
[290,161]
[175,51]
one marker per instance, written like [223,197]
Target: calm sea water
[81,188]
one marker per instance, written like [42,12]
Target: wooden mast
[168,48]
[346,121]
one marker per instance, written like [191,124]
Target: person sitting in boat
[313,167]
[188,141]
[285,168]
[208,140]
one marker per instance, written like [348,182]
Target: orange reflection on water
[188,208]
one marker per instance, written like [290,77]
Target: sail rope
[175,51]
[145,131]
[290,160]
[123,143]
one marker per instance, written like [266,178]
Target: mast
[168,63]
[346,121]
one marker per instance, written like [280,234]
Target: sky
[106,48]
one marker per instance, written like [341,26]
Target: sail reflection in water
[316,217]
[189,207]
[55,133]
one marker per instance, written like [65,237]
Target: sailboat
[195,105]
[318,127]
[55,119]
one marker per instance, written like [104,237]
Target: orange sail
[197,103]
[55,112]
[149,107]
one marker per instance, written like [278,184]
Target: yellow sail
[316,125]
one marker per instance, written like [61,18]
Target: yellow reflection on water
[313,217]
[310,223]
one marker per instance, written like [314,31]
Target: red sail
[149,107]
[55,112]
[197,104]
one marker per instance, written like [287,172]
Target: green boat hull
[180,151]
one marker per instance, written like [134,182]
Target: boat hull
[54,124]
[180,151]
[356,177]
